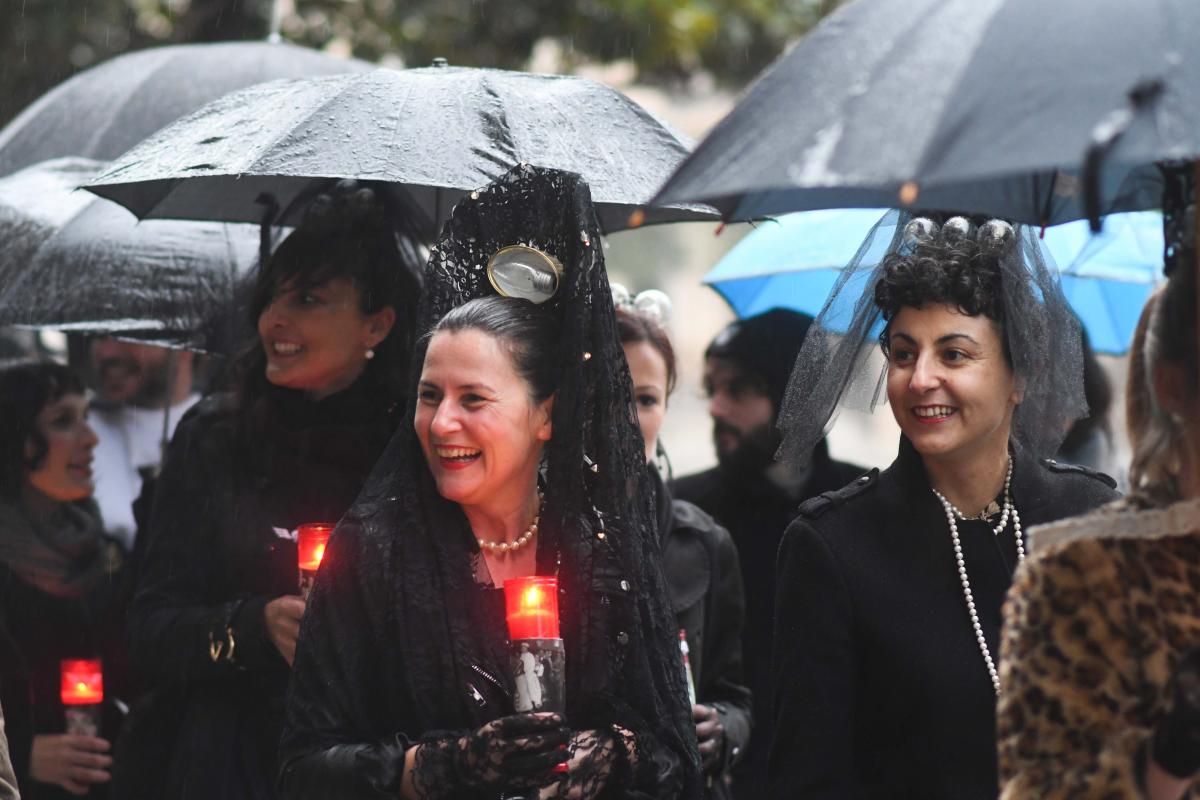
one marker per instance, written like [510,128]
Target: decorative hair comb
[526,272]
[651,303]
[993,234]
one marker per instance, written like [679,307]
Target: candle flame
[533,597]
[319,553]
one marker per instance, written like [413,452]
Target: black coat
[705,583]
[881,689]
[756,513]
[232,488]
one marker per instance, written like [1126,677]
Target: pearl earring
[370,354]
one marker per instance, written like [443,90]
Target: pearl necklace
[522,540]
[952,517]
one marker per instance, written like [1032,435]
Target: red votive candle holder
[311,540]
[531,607]
[82,692]
[536,655]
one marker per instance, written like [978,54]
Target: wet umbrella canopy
[439,132]
[87,264]
[33,205]
[972,105]
[102,112]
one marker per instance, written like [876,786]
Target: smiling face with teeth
[949,383]
[316,337]
[480,429]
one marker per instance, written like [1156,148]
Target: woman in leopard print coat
[1094,701]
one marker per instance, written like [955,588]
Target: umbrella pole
[1195,232]
[166,428]
[437,213]
[276,21]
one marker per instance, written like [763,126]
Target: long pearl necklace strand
[522,540]
[952,517]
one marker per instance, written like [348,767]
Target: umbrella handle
[270,211]
[1105,137]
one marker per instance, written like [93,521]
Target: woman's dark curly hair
[960,273]
[27,387]
[348,231]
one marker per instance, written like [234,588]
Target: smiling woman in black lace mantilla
[523,458]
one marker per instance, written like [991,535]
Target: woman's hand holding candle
[282,616]
[71,761]
[511,753]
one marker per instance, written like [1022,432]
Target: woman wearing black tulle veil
[399,687]
[890,589]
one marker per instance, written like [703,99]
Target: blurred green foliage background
[42,42]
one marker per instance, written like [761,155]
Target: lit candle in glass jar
[531,607]
[82,693]
[311,540]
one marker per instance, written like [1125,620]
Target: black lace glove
[510,753]
[598,759]
[1175,745]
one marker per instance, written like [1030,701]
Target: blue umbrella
[794,261]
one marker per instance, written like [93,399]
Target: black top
[233,488]
[704,579]
[757,512]
[881,687]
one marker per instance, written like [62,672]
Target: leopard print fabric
[1093,630]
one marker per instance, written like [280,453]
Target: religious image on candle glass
[537,662]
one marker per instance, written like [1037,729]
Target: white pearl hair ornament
[995,233]
[957,228]
[919,229]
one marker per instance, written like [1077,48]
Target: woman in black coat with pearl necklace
[890,589]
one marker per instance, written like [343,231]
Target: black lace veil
[598,509]
[841,364]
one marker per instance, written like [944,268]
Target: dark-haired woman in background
[59,580]
[699,558]
[217,613]
[890,589]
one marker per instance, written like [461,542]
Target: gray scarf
[66,554]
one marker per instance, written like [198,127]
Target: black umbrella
[102,112]
[437,132]
[91,266]
[973,105]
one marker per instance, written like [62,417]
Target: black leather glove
[1175,745]
[511,753]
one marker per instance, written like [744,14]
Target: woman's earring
[370,353]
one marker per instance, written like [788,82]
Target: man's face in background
[129,373]
[743,415]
